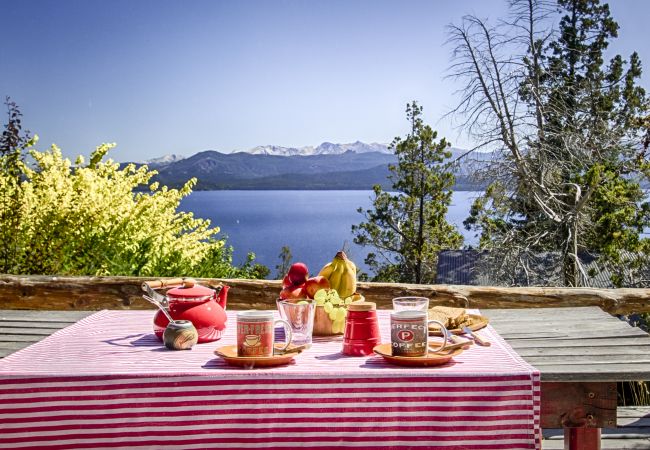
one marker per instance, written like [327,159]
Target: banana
[337,273]
[326,271]
[349,278]
[348,283]
[344,286]
[341,274]
[352,267]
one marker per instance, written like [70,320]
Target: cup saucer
[229,354]
[431,358]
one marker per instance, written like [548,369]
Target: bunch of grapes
[334,306]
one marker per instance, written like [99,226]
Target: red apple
[298,273]
[293,292]
[286,282]
[314,284]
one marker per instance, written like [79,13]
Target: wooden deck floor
[18,329]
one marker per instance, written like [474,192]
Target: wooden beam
[93,293]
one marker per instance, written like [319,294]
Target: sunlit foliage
[88,218]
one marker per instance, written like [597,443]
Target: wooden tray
[478,322]
[431,359]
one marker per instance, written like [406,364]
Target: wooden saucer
[431,359]
[229,354]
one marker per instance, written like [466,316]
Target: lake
[314,224]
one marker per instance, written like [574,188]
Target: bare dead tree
[544,172]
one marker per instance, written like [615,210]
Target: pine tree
[407,227]
[600,106]
[13,144]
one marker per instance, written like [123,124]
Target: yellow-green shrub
[88,219]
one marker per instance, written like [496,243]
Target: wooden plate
[478,322]
[229,354]
[431,359]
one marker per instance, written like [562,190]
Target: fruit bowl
[323,324]
[333,289]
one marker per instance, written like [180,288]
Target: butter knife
[478,339]
[456,342]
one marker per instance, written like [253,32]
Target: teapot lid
[191,292]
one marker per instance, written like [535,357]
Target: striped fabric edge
[88,430]
[535,380]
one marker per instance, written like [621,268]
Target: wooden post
[582,439]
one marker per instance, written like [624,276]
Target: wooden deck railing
[94,293]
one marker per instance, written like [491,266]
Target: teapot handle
[150,287]
[157,284]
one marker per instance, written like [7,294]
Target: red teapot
[203,306]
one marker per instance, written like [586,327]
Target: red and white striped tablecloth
[107,382]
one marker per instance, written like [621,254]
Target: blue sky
[160,77]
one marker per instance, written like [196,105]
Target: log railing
[94,293]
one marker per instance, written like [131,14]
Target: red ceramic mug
[255,333]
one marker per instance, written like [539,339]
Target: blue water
[314,224]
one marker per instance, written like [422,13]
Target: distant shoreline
[465,189]
[386,189]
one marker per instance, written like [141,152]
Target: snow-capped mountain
[326,148]
[276,150]
[162,161]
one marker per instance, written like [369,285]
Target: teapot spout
[222,297]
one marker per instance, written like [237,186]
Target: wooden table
[581,353]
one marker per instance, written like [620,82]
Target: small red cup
[361,333]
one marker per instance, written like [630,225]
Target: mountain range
[328,166]
[326,148]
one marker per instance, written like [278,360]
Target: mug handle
[445,333]
[288,336]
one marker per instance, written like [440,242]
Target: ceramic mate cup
[409,333]
[180,335]
[255,333]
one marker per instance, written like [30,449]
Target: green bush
[88,219]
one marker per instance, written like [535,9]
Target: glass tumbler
[300,317]
[410,304]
